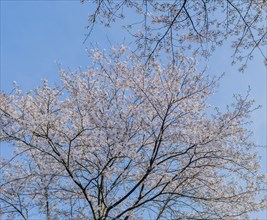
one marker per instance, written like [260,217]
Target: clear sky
[36,35]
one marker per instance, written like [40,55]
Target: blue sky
[36,35]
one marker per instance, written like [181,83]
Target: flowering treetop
[128,140]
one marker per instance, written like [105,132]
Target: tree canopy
[134,135]
[124,140]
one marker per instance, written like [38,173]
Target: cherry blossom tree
[123,140]
[198,26]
